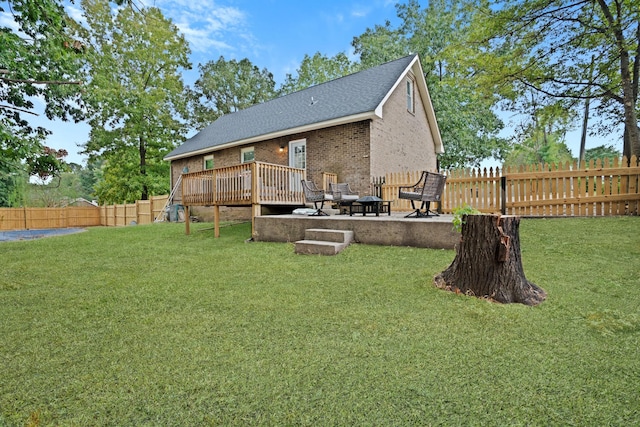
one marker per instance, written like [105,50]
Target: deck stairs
[323,242]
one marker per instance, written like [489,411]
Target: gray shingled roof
[347,96]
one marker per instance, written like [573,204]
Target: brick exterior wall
[402,141]
[343,150]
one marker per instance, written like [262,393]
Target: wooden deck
[254,184]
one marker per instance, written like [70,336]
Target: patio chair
[342,194]
[313,194]
[428,189]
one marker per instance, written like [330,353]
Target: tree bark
[629,92]
[488,262]
[142,149]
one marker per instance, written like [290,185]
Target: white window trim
[411,95]
[247,150]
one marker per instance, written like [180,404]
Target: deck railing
[233,185]
[254,183]
[279,185]
[197,188]
[328,179]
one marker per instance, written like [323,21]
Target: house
[357,127]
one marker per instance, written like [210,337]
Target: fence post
[378,182]
[503,194]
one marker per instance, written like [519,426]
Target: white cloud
[6,20]
[75,13]
[360,12]
[207,25]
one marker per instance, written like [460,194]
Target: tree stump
[488,262]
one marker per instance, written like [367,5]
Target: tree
[542,138]
[488,262]
[533,39]
[64,189]
[138,104]
[380,45]
[40,58]
[464,108]
[318,69]
[229,86]
[540,147]
[601,152]
[13,184]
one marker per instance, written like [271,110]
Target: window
[247,155]
[208,162]
[410,97]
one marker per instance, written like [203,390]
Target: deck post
[255,196]
[187,228]
[256,210]
[503,194]
[216,221]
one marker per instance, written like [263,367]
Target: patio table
[370,204]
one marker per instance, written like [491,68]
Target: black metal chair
[313,194]
[342,194]
[428,189]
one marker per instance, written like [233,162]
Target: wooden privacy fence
[140,212]
[38,218]
[600,188]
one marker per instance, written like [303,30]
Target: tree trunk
[488,262]
[629,92]
[142,149]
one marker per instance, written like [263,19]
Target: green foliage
[380,45]
[467,124]
[48,164]
[138,102]
[145,325]
[41,59]
[540,137]
[229,86]
[60,191]
[539,147]
[459,215]
[601,152]
[318,69]
[13,184]
[532,40]
[119,180]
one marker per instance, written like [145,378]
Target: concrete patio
[434,232]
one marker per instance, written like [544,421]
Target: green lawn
[147,326]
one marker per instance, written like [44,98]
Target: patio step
[323,242]
[337,236]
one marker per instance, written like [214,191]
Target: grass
[146,326]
